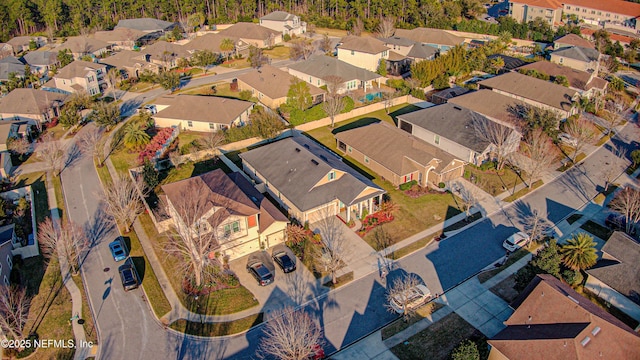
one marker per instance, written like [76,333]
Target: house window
[353,52]
[568,7]
[190,123]
[236,226]
[212,126]
[309,79]
[6,281]
[437,139]
[10,261]
[561,60]
[332,175]
[366,159]
[350,149]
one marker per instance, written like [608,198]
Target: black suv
[129,275]
[285,262]
[259,271]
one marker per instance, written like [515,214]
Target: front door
[420,177]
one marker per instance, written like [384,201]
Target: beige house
[539,93]
[271,86]
[363,52]
[241,219]
[398,156]
[282,21]
[164,54]
[129,64]
[80,46]
[80,76]
[201,113]
[121,38]
[528,10]
[317,68]
[571,40]
[34,106]
[212,42]
[579,58]
[617,14]
[253,34]
[439,39]
[584,82]
[310,182]
[21,43]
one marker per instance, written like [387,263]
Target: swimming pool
[371,96]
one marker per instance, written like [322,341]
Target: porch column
[348,213]
[379,199]
[370,204]
[360,209]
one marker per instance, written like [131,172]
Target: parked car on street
[258,270]
[516,241]
[118,249]
[129,275]
[284,260]
[568,139]
[417,296]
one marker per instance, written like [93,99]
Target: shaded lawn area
[190,137]
[596,229]
[217,329]
[492,181]
[421,313]
[37,180]
[220,302]
[124,160]
[200,90]
[505,289]
[190,169]
[519,254]
[89,327]
[57,131]
[439,339]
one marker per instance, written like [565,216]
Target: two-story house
[253,34]
[201,113]
[282,21]
[363,52]
[577,57]
[318,68]
[41,62]
[31,105]
[228,208]
[588,84]
[528,10]
[439,39]
[80,46]
[79,76]
[164,54]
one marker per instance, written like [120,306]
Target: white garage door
[243,249]
[317,215]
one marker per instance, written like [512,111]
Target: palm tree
[134,137]
[227,46]
[579,253]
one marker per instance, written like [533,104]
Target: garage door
[275,238]
[321,213]
[243,249]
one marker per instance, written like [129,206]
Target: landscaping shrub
[572,277]
[155,144]
[487,165]
[286,37]
[373,220]
[408,185]
[441,185]
[245,94]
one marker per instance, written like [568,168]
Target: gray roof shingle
[211,109]
[144,24]
[578,53]
[278,16]
[41,58]
[321,66]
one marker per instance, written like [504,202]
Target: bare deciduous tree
[334,244]
[325,44]
[496,134]
[388,98]
[113,75]
[627,203]
[20,146]
[212,141]
[386,28]
[583,131]
[535,225]
[90,142]
[469,198]
[52,153]
[301,49]
[290,335]
[68,241]
[334,102]
[614,114]
[122,199]
[540,153]
[400,293]
[14,311]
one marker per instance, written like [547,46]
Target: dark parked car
[129,275]
[259,271]
[118,249]
[285,261]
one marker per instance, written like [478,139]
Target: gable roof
[552,321]
[618,267]
[365,44]
[547,4]
[450,121]
[162,49]
[269,213]
[321,66]
[574,40]
[396,40]
[78,68]
[577,78]
[246,30]
[209,42]
[278,16]
[578,53]
[390,147]
[125,58]
[144,24]
[615,6]
[422,51]
[10,64]
[528,87]
[40,58]
[83,45]
[489,103]
[210,109]
[273,82]
[21,40]
[430,36]
[295,165]
[29,101]
[119,34]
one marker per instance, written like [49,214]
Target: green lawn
[39,187]
[279,52]
[217,329]
[236,64]
[190,137]
[141,87]
[190,169]
[522,192]
[414,214]
[57,131]
[492,181]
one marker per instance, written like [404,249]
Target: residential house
[41,62]
[491,104]
[271,86]
[11,65]
[536,92]
[282,21]
[34,106]
[129,64]
[614,35]
[147,25]
[439,39]
[453,129]
[362,52]
[553,321]
[443,96]
[614,14]
[615,277]
[510,62]
[21,43]
[317,68]
[164,54]
[124,38]
[528,10]
[420,52]
[80,46]
[79,76]
[399,45]
[7,238]
[398,156]
[253,34]
[212,42]
[411,50]
[5,50]
[309,181]
[201,113]
[242,219]
[579,58]
[571,40]
[8,130]
[586,83]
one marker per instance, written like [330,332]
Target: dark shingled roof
[578,53]
[321,66]
[41,58]
[6,233]
[144,24]
[278,16]
[252,31]
[422,51]
[618,267]
[295,165]
[510,62]
[9,65]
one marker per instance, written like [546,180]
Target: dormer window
[332,175]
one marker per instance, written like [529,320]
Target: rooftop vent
[585,341]
[457,108]
[306,146]
[595,330]
[297,150]
[324,158]
[314,161]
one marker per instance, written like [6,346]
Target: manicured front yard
[217,329]
[492,181]
[279,52]
[37,182]
[399,324]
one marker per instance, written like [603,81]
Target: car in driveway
[260,272]
[416,297]
[284,260]
[129,275]
[516,241]
[118,249]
